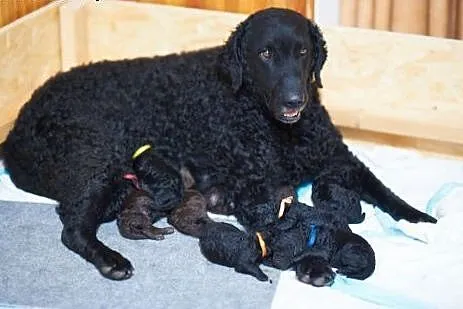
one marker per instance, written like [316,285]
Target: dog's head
[278,53]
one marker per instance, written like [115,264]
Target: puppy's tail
[376,193]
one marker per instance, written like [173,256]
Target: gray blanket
[36,270]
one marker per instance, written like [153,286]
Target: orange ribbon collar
[262,245]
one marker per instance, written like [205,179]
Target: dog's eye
[265,54]
[303,51]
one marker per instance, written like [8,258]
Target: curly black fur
[250,106]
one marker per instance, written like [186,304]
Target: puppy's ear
[319,52]
[230,61]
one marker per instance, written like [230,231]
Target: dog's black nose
[295,100]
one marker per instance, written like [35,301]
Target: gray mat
[37,270]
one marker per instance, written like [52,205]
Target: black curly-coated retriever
[250,106]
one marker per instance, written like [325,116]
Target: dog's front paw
[114,266]
[315,271]
[415,216]
[426,218]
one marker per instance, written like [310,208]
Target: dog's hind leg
[81,219]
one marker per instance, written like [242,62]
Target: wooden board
[29,54]
[393,83]
[241,6]
[129,30]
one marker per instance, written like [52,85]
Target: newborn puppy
[224,244]
[159,178]
[190,217]
[159,194]
[262,216]
[136,219]
[157,189]
[314,241]
[341,200]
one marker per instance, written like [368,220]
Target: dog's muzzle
[290,115]
[289,110]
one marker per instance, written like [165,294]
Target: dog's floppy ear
[319,52]
[230,61]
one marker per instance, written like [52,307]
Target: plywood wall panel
[239,6]
[395,83]
[29,54]
[131,29]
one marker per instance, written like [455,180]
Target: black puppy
[263,216]
[225,244]
[317,240]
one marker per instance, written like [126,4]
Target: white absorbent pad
[417,265]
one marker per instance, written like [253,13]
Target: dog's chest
[264,151]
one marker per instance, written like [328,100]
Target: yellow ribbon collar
[140,150]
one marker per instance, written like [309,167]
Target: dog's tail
[376,193]
[1,151]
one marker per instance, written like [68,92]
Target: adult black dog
[251,107]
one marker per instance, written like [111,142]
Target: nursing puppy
[136,218]
[191,216]
[144,204]
[142,208]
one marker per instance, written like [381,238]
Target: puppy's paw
[114,266]
[133,229]
[157,233]
[315,271]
